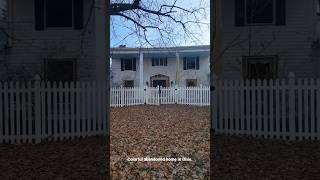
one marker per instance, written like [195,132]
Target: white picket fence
[36,112]
[198,96]
[282,109]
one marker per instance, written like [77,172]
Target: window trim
[134,64]
[58,28]
[274,15]
[197,62]
[45,66]
[275,62]
[158,60]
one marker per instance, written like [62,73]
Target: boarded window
[60,70]
[191,82]
[260,67]
[128,83]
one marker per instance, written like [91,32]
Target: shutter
[239,12]
[197,62]
[122,65]
[280,12]
[134,64]
[39,14]
[78,14]
[184,63]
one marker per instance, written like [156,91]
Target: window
[160,61]
[260,12]
[58,14]
[128,83]
[60,70]
[190,63]
[260,67]
[317,4]
[191,82]
[128,64]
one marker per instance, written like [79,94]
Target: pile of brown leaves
[160,131]
[76,159]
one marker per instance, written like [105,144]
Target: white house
[180,66]
[270,38]
[58,40]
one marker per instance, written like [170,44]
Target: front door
[159,80]
[156,83]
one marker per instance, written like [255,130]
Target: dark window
[128,83]
[128,64]
[59,13]
[60,70]
[190,63]
[191,82]
[159,61]
[260,67]
[259,11]
[318,7]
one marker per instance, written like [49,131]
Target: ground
[160,131]
[154,131]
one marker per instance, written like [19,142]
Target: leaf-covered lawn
[160,131]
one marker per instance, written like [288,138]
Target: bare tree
[158,22]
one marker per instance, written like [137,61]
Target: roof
[125,50]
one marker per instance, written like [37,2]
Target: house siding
[29,48]
[202,75]
[291,42]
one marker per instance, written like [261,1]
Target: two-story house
[56,40]
[174,66]
[269,38]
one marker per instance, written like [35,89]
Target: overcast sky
[120,33]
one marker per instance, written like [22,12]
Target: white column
[141,84]
[177,69]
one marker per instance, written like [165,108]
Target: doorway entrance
[159,80]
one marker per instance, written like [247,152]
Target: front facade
[52,40]
[176,66]
[263,39]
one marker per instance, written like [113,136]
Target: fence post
[121,96]
[37,111]
[145,95]
[214,102]
[291,106]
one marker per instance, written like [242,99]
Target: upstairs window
[159,61]
[260,67]
[128,64]
[260,12]
[58,14]
[191,63]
